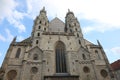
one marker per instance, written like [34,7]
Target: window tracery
[60,58]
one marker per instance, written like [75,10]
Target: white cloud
[20,38]
[2,38]
[104,12]
[9,12]
[116,50]
[8,37]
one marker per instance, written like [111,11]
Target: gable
[35,51]
[56,25]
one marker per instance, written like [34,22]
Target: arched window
[11,75]
[35,57]
[18,53]
[60,58]
[97,54]
[84,57]
[39,27]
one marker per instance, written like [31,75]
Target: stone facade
[55,50]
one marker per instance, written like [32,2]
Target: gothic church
[55,51]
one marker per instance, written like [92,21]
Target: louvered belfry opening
[60,58]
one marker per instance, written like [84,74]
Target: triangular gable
[56,25]
[34,49]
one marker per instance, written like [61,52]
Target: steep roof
[26,40]
[56,25]
[116,65]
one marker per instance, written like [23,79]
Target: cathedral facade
[55,51]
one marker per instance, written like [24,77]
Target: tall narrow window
[79,42]
[97,54]
[18,53]
[84,57]
[77,35]
[60,58]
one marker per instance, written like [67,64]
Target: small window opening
[71,30]
[45,29]
[83,55]
[36,41]
[40,22]
[38,34]
[45,23]
[75,24]
[39,27]
[79,42]
[69,25]
[35,57]
[77,35]
[76,29]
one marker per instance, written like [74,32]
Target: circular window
[11,74]
[104,73]
[86,69]
[34,70]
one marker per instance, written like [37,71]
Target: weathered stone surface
[84,60]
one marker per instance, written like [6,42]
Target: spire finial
[68,10]
[14,39]
[43,8]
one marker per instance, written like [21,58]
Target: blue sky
[99,19]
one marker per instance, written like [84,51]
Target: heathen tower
[55,51]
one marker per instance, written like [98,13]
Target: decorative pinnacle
[43,8]
[14,39]
[68,10]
